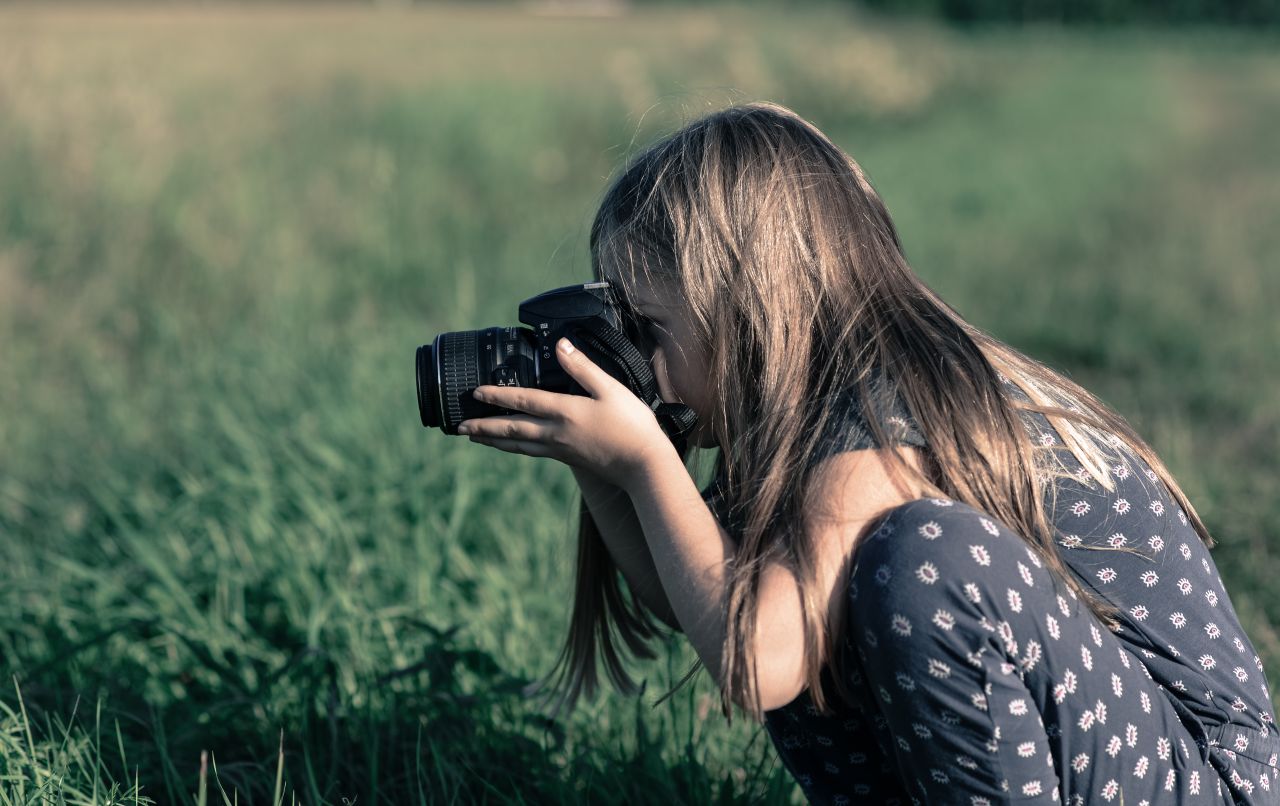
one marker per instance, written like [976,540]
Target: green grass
[224,231]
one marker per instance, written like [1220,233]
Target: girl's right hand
[610,432]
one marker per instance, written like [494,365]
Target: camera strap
[610,349]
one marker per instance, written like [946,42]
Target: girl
[937,570]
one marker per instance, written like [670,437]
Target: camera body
[591,315]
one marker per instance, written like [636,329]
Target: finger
[538,402]
[586,372]
[515,445]
[516,426]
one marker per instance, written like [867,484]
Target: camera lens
[449,370]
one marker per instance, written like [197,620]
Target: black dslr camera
[591,315]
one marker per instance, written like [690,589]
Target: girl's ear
[665,391]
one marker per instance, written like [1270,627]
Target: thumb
[586,372]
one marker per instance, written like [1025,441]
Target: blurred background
[236,567]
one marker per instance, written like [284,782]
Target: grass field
[223,231]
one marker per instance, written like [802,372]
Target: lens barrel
[449,370]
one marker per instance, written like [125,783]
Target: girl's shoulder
[850,431]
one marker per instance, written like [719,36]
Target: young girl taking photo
[935,569]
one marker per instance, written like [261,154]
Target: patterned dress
[980,679]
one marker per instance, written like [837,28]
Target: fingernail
[464,429]
[478,395]
[566,346]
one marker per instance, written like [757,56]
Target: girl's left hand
[611,433]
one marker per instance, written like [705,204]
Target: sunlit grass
[224,230]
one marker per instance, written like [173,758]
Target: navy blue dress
[980,679]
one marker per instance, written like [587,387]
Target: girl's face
[680,370]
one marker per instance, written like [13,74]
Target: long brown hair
[795,285]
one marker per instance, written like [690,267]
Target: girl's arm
[690,550]
[615,435]
[616,519]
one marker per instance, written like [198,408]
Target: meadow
[235,566]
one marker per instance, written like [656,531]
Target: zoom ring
[459,371]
